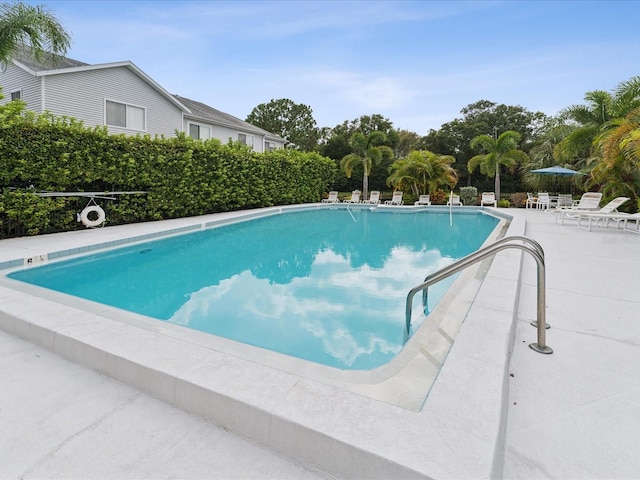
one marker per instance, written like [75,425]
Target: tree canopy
[292,121]
[336,144]
[482,118]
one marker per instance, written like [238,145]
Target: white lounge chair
[374,198]
[625,219]
[396,199]
[488,198]
[634,217]
[454,201]
[603,216]
[355,197]
[590,201]
[423,200]
[332,198]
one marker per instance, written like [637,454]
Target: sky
[416,63]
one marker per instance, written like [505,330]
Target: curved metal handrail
[534,249]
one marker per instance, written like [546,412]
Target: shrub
[469,195]
[438,197]
[504,203]
[519,199]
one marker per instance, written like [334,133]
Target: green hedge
[183,177]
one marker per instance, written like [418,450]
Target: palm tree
[502,150]
[617,147]
[601,108]
[33,27]
[366,151]
[576,147]
[423,172]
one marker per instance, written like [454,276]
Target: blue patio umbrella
[556,171]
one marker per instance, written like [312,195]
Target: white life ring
[84,216]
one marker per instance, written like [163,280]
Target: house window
[16,95]
[269,146]
[245,139]
[126,116]
[199,132]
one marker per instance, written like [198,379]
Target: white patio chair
[488,198]
[454,201]
[565,200]
[544,201]
[423,200]
[332,198]
[374,198]
[531,201]
[355,197]
[396,199]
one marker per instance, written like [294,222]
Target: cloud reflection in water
[338,315]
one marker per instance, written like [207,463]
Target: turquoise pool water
[324,285]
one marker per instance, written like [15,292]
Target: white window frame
[247,137]
[201,127]
[270,146]
[127,127]
[18,91]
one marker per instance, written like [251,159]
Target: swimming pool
[324,285]
[381,423]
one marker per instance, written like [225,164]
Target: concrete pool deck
[572,414]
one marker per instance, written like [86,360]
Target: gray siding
[15,78]
[225,133]
[82,95]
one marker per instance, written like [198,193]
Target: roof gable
[59,65]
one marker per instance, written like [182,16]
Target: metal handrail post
[535,251]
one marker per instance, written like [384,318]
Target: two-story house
[123,98]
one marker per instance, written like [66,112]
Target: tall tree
[33,27]
[292,121]
[482,117]
[340,135]
[367,150]
[407,142]
[423,172]
[500,151]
